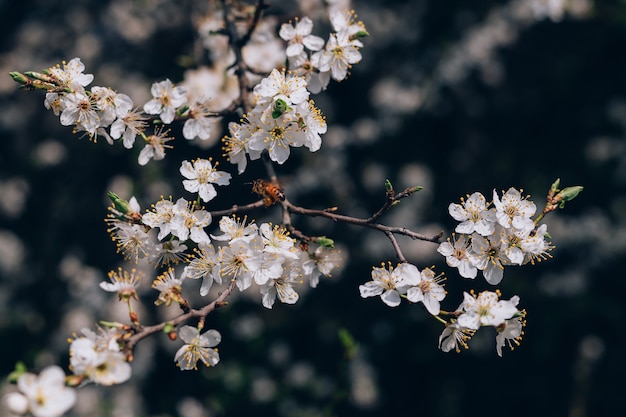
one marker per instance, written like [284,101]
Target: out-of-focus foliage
[454,96]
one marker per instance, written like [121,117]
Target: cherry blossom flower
[78,109]
[43,395]
[276,240]
[459,255]
[236,228]
[189,223]
[279,85]
[71,75]
[128,124]
[338,56]
[240,260]
[282,288]
[513,210]
[486,310]
[510,333]
[201,176]
[429,291]
[97,357]
[489,257]
[169,287]
[156,144]
[205,265]
[454,337]
[197,347]
[199,124]
[124,283]
[299,36]
[391,283]
[473,215]
[166,98]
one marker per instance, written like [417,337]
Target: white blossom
[197,347]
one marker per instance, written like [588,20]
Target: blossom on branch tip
[71,74]
[339,55]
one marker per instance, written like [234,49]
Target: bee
[269,190]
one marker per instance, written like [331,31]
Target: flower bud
[555,185]
[326,242]
[41,77]
[280,107]
[120,205]
[20,369]
[18,77]
[360,34]
[168,328]
[570,193]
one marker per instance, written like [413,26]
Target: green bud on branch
[19,370]
[168,328]
[120,205]
[325,242]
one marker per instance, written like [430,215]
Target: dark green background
[556,107]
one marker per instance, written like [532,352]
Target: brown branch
[396,246]
[362,222]
[237,43]
[198,313]
[391,201]
[238,209]
[258,11]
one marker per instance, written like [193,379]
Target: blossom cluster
[318,61]
[246,253]
[93,111]
[282,115]
[484,309]
[405,281]
[96,357]
[492,237]
[272,91]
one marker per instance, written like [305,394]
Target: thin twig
[362,222]
[199,313]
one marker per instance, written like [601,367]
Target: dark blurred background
[455,96]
